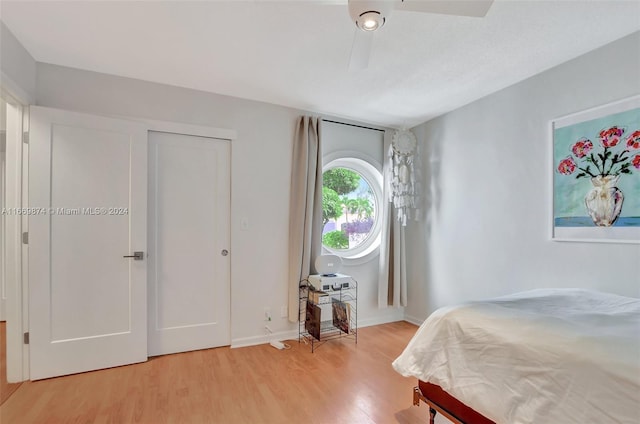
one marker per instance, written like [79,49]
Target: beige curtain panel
[305,208]
[392,269]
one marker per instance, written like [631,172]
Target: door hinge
[25,338]
[25,238]
[25,137]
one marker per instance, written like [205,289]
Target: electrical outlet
[283,311]
[267,313]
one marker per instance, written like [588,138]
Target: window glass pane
[348,209]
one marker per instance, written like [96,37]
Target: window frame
[370,170]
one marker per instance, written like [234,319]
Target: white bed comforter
[555,356]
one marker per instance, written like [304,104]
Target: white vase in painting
[604,200]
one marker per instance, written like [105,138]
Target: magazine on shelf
[312,322]
[341,315]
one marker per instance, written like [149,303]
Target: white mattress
[554,356]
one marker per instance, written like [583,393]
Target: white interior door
[87,303]
[189,214]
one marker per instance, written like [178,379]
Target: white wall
[18,68]
[487,178]
[261,168]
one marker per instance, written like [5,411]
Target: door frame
[18,298]
[16,253]
[187,129]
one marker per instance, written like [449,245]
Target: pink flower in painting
[582,147]
[567,166]
[611,136]
[633,142]
[612,157]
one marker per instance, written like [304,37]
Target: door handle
[137,256]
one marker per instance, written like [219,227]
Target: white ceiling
[295,53]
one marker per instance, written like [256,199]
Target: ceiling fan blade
[476,8]
[360,50]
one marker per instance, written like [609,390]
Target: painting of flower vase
[596,181]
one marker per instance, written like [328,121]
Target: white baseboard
[394,316]
[258,340]
[414,320]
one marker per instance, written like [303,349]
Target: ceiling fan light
[370,24]
[370,21]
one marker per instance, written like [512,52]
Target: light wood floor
[340,383]
[6,389]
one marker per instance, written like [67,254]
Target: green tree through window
[348,210]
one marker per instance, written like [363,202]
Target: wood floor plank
[6,389]
[340,383]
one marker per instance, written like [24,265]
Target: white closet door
[87,304]
[189,263]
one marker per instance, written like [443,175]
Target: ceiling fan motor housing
[363,10]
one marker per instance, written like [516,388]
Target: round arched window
[351,207]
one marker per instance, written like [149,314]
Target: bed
[544,356]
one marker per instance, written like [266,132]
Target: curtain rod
[352,125]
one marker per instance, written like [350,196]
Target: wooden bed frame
[440,401]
